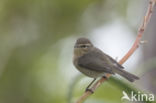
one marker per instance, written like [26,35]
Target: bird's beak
[76,46]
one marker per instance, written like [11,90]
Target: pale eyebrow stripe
[85,44]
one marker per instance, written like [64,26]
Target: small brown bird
[94,63]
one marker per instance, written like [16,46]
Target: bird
[94,63]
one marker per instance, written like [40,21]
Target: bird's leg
[105,77]
[87,89]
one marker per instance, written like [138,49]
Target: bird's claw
[90,90]
[105,77]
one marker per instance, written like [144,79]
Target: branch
[128,54]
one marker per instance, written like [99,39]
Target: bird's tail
[130,77]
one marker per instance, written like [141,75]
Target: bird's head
[82,46]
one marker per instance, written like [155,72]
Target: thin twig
[128,54]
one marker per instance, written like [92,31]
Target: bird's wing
[96,60]
[115,62]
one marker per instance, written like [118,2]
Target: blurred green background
[36,46]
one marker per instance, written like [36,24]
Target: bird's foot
[90,90]
[105,77]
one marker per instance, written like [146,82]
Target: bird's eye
[84,46]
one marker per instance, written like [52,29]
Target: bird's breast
[90,73]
